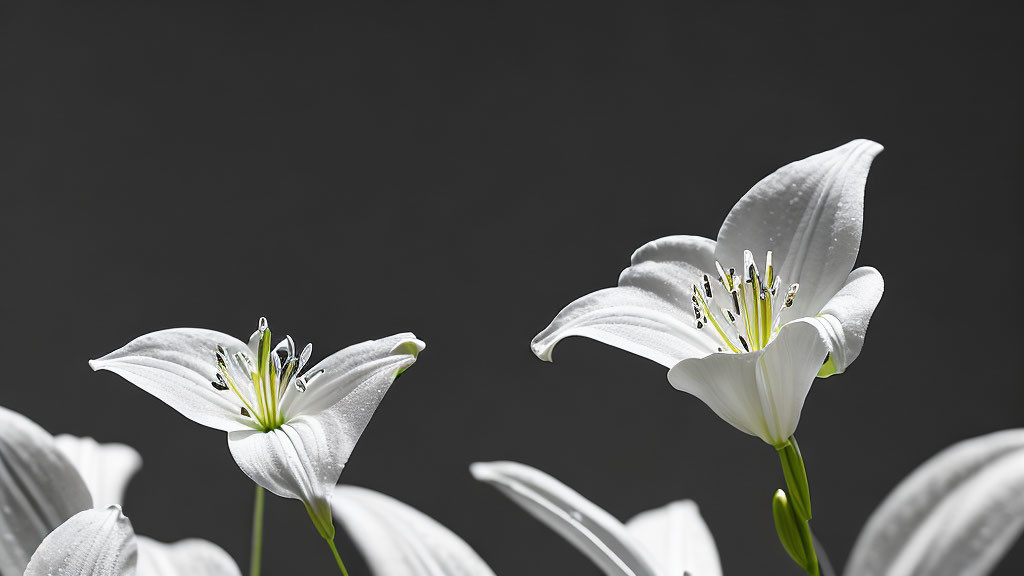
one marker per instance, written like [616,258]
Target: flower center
[748,311]
[261,383]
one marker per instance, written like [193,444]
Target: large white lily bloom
[955,515]
[59,519]
[398,540]
[749,343]
[291,431]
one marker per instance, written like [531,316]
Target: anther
[707,286]
[730,316]
[219,385]
[263,324]
[222,351]
[791,295]
[696,312]
[744,343]
[726,280]
[245,412]
[699,324]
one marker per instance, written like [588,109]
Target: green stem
[337,557]
[256,556]
[795,473]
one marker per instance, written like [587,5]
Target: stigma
[261,382]
[743,310]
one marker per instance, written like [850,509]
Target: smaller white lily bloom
[669,541]
[398,540]
[289,429]
[749,341]
[955,515]
[56,520]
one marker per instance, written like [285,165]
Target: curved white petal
[596,533]
[178,366]
[302,459]
[105,468]
[398,540]
[185,558]
[955,514]
[90,543]
[374,363]
[810,214]
[845,317]
[650,313]
[678,538]
[762,392]
[39,489]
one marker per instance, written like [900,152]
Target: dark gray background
[463,171]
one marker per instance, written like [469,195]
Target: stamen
[707,286]
[220,387]
[246,412]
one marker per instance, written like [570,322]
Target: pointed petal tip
[408,344]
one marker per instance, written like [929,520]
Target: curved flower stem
[796,482]
[256,555]
[337,557]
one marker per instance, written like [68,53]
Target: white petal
[650,313]
[374,363]
[398,540]
[762,392]
[678,538]
[845,317]
[39,489]
[955,514]
[90,543]
[590,529]
[303,460]
[810,214]
[105,468]
[184,558]
[177,366]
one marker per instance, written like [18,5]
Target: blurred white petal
[398,540]
[678,538]
[596,533]
[105,468]
[956,514]
[39,490]
[810,213]
[90,543]
[184,558]
[178,366]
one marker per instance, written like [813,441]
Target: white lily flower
[291,431]
[50,526]
[747,343]
[669,541]
[398,540]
